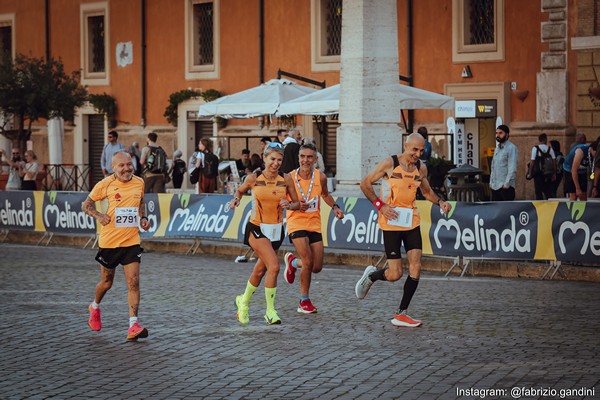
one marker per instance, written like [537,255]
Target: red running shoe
[136,332]
[306,307]
[290,270]
[403,319]
[94,322]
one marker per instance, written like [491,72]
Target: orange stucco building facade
[253,39]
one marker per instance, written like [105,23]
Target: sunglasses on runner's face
[275,145]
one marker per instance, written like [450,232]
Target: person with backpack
[178,169]
[204,167]
[560,160]
[154,166]
[542,169]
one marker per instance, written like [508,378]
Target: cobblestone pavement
[479,334]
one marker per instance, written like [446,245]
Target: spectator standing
[29,171]
[136,147]
[137,165]
[282,134]
[154,165]
[560,158]
[109,149]
[243,164]
[15,165]
[256,163]
[203,167]
[595,176]
[427,151]
[178,169]
[576,166]
[543,179]
[291,151]
[504,167]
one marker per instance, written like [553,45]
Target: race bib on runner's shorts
[271,231]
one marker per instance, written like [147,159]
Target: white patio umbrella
[255,102]
[327,101]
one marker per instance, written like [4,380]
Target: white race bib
[405,217]
[272,231]
[313,205]
[126,217]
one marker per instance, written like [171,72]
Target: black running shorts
[313,237]
[111,258]
[392,242]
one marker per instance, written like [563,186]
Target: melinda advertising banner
[520,230]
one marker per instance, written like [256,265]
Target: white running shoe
[364,283]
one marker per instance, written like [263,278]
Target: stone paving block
[487,331]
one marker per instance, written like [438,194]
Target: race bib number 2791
[126,217]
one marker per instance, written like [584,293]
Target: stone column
[369,115]
[552,82]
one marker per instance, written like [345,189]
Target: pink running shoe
[290,270]
[306,307]
[136,332]
[94,322]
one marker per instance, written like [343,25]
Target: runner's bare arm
[89,207]
[295,204]
[243,188]
[328,198]
[382,169]
[144,222]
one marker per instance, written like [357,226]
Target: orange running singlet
[400,190]
[266,196]
[124,200]
[309,220]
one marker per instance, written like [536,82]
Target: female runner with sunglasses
[264,231]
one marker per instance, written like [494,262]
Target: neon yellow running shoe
[242,310]
[272,318]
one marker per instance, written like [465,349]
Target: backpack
[157,160]
[211,165]
[560,160]
[179,169]
[545,163]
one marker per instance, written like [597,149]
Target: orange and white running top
[309,220]
[400,190]
[124,201]
[266,195]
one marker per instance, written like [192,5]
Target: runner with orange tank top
[399,220]
[119,241]
[264,232]
[304,227]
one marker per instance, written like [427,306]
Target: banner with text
[520,230]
